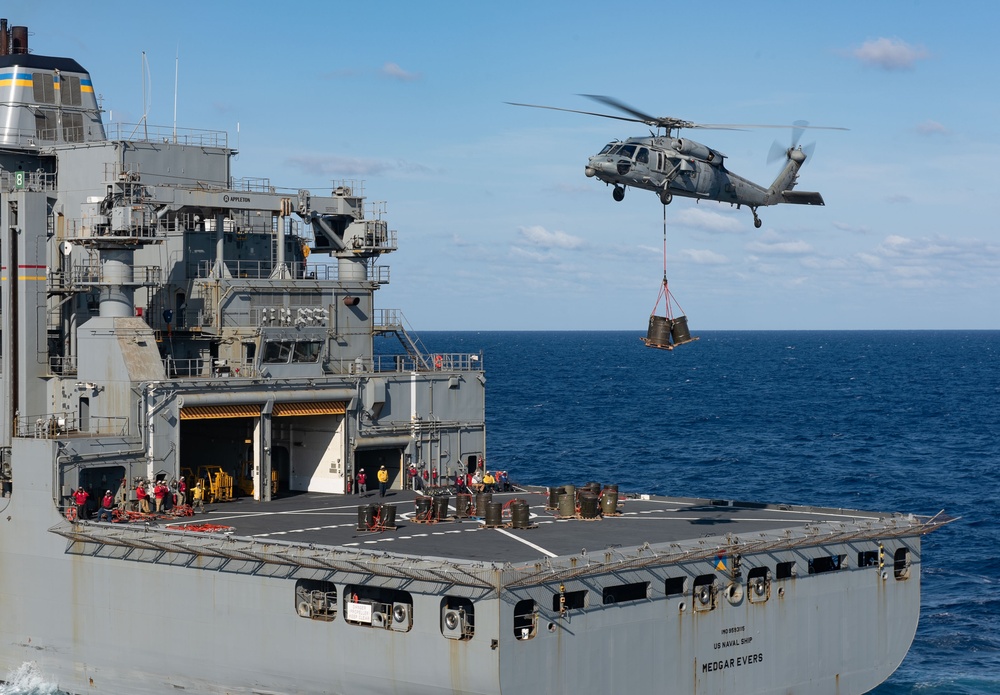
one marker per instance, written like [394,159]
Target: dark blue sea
[883,420]
[890,421]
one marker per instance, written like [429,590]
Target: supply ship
[166,325]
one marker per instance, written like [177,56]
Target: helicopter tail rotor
[779,151]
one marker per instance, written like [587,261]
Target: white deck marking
[528,543]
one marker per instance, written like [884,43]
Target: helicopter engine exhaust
[696,149]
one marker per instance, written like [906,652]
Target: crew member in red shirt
[80,498]
[159,492]
[143,497]
[107,502]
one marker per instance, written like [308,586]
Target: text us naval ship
[164,323]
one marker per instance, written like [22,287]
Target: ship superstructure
[163,321]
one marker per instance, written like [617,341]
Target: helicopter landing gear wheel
[756,220]
[666,198]
[618,193]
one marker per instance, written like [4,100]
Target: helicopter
[670,165]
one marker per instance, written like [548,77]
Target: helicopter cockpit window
[627,151]
[643,156]
[607,148]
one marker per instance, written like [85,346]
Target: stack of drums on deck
[376,516]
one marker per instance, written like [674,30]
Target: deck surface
[332,520]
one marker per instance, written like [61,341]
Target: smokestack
[4,38]
[19,40]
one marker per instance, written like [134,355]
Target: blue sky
[498,226]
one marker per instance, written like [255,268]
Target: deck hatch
[220,412]
[309,408]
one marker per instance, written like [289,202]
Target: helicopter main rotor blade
[622,106]
[586,113]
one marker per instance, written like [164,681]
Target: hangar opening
[371,459]
[221,445]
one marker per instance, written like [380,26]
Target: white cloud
[930,127]
[771,243]
[853,228]
[332,165]
[889,54]
[703,256]
[397,73]
[541,237]
[707,220]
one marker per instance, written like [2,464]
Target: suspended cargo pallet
[667,333]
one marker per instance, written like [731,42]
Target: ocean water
[891,421]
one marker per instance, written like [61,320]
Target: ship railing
[202,368]
[93,274]
[100,226]
[60,424]
[262,270]
[490,577]
[62,366]
[142,132]
[33,180]
[434,362]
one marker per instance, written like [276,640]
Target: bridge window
[277,351]
[307,351]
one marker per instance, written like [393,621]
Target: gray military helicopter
[670,165]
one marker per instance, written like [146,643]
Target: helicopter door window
[627,151]
[643,156]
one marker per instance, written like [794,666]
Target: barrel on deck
[588,505]
[482,499]
[571,491]
[658,332]
[422,508]
[519,514]
[554,493]
[567,505]
[609,502]
[493,514]
[366,516]
[441,507]
[462,503]
[387,515]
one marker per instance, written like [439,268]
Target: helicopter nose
[589,171]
